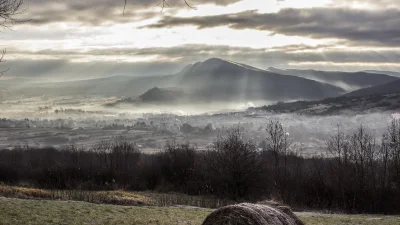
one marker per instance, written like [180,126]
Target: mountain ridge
[388,88]
[349,81]
[231,80]
[214,79]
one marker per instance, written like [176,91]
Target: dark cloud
[366,26]
[95,12]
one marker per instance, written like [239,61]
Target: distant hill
[121,86]
[217,79]
[154,96]
[165,95]
[345,80]
[343,104]
[390,73]
[212,80]
[392,87]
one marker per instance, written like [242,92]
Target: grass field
[116,197]
[44,212]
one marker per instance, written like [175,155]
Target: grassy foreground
[44,212]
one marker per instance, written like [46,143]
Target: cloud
[191,53]
[90,50]
[65,63]
[96,12]
[354,25]
[381,4]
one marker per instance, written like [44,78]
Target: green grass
[44,212]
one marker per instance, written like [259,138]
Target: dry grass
[103,197]
[44,212]
[118,197]
[122,198]
[25,193]
[172,199]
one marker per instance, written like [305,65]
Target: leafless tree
[278,142]
[164,4]
[8,10]
[338,146]
[363,150]
[233,164]
[391,149]
[2,60]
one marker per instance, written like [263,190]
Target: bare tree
[8,10]
[233,165]
[363,150]
[338,146]
[163,4]
[2,60]
[392,149]
[277,141]
[278,145]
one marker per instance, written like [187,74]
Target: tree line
[360,176]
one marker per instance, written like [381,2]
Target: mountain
[345,80]
[340,105]
[215,80]
[163,95]
[392,87]
[223,80]
[390,73]
[110,86]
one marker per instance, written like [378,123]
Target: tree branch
[123,13]
[2,60]
[9,9]
[163,4]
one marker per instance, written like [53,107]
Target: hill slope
[392,87]
[390,73]
[162,95]
[212,80]
[345,80]
[219,79]
[338,105]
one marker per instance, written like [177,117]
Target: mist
[64,121]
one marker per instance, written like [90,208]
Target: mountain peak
[215,63]
[215,60]
[207,66]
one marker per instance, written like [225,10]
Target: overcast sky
[69,39]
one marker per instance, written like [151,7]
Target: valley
[208,97]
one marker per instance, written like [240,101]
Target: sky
[75,39]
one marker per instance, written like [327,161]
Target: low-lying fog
[64,121]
